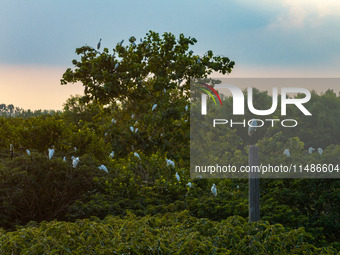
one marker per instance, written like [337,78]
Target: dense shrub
[171,233]
[36,188]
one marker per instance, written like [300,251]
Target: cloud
[301,13]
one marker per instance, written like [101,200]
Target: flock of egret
[310,151]
[189,184]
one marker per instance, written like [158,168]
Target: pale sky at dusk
[266,38]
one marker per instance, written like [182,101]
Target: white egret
[98,44]
[112,154]
[75,148]
[64,159]
[320,151]
[177,177]
[310,150]
[286,152]
[50,153]
[186,108]
[132,116]
[214,189]
[252,127]
[136,155]
[169,162]
[106,133]
[136,130]
[75,162]
[132,129]
[189,184]
[102,167]
[154,107]
[164,90]
[113,121]
[11,148]
[28,152]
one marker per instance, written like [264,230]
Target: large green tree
[142,68]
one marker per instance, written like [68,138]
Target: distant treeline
[12,111]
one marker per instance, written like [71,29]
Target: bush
[36,188]
[172,233]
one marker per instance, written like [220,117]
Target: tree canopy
[142,69]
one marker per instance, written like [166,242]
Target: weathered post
[254,185]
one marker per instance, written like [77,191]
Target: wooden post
[254,185]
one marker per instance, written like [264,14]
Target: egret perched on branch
[186,108]
[252,127]
[11,148]
[98,44]
[177,177]
[214,189]
[75,162]
[50,153]
[169,162]
[132,116]
[154,107]
[28,152]
[320,151]
[112,154]
[136,155]
[136,130]
[64,159]
[286,152]
[132,129]
[102,167]
[189,184]
[310,150]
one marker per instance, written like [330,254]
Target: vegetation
[138,206]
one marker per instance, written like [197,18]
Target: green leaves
[156,63]
[170,233]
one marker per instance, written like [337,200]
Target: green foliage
[36,188]
[12,111]
[171,233]
[142,70]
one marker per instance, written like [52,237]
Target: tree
[142,70]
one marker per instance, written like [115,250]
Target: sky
[265,38]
